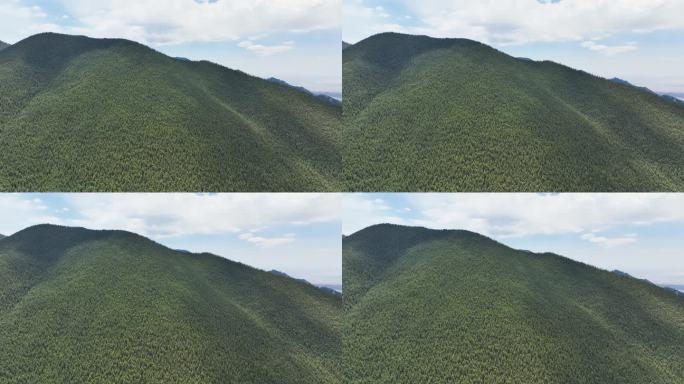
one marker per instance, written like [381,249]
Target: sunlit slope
[456,115]
[112,115]
[79,306]
[425,306]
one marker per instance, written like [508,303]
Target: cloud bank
[168,215]
[505,215]
[160,22]
[516,21]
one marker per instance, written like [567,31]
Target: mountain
[321,96]
[425,114]
[345,45]
[3,45]
[82,306]
[2,236]
[82,114]
[445,306]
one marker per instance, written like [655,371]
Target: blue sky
[641,234]
[641,41]
[295,40]
[298,234]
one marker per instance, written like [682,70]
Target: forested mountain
[345,45]
[3,45]
[429,306]
[82,306]
[456,115]
[112,115]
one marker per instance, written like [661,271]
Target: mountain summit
[112,115]
[424,305]
[426,114]
[83,306]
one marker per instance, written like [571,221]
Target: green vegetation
[424,114]
[81,114]
[80,306]
[427,306]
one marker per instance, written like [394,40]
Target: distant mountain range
[323,96]
[126,309]
[82,114]
[677,289]
[446,306]
[427,114]
[3,45]
[345,45]
[335,289]
[667,96]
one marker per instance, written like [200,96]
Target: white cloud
[524,21]
[267,242]
[267,50]
[18,20]
[362,20]
[178,21]
[609,241]
[514,215]
[360,211]
[608,49]
[19,212]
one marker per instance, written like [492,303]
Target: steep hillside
[3,45]
[81,114]
[81,306]
[427,306]
[456,115]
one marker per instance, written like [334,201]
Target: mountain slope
[81,306]
[3,45]
[456,115]
[112,115]
[456,307]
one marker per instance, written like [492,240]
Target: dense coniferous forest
[428,306]
[81,114]
[425,114]
[81,306]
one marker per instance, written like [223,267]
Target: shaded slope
[456,115]
[457,307]
[80,306]
[113,115]
[3,45]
